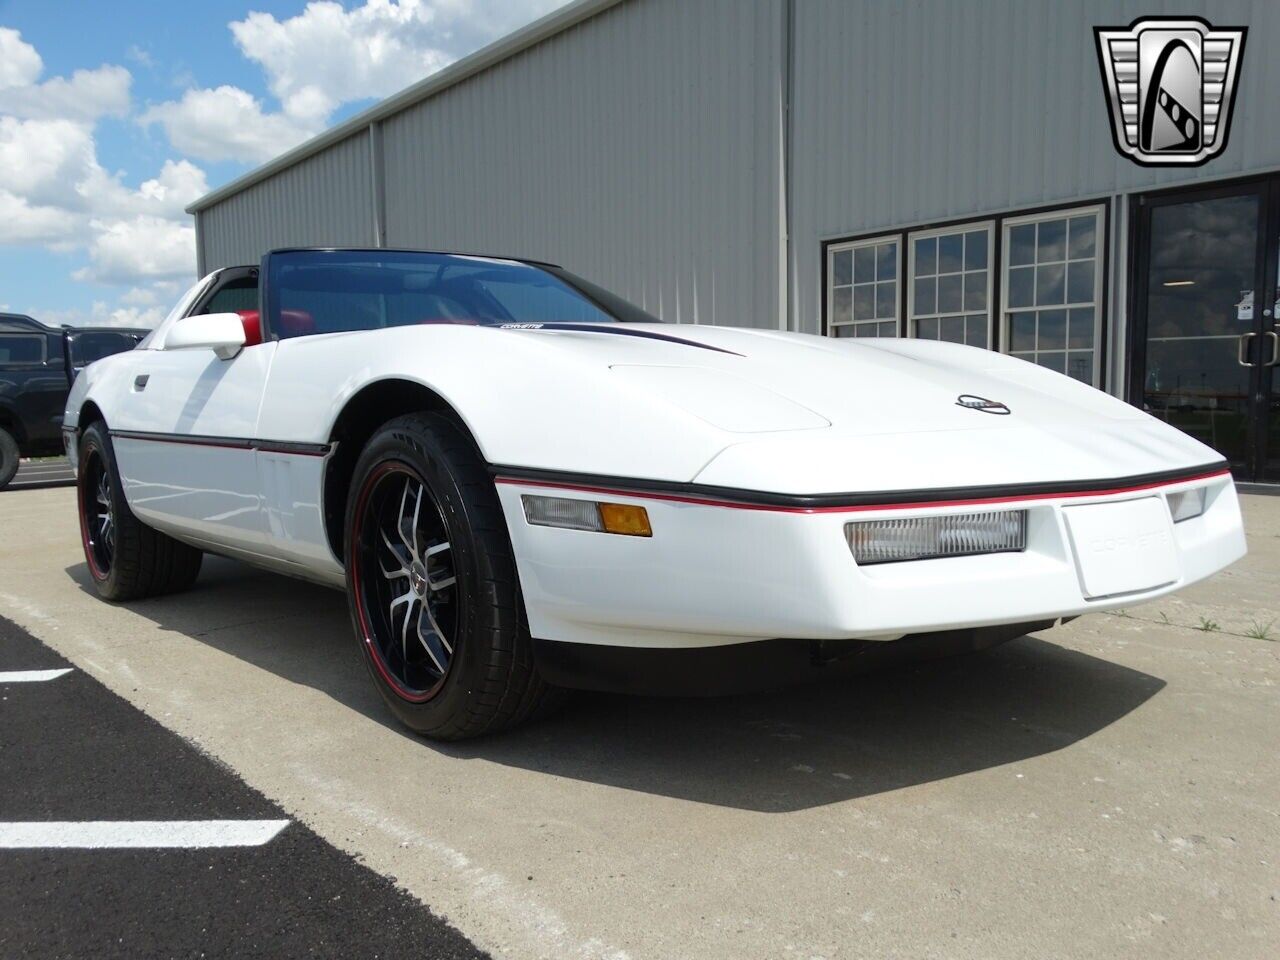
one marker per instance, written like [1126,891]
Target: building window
[949,297]
[862,291]
[1052,293]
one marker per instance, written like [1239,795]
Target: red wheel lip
[362,617]
[94,570]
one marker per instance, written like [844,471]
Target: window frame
[840,246]
[1103,316]
[26,364]
[1098,303]
[988,225]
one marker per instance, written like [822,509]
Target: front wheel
[432,584]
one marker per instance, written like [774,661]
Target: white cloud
[55,193]
[53,186]
[42,159]
[325,57]
[87,95]
[21,222]
[101,314]
[166,195]
[143,248]
[154,295]
[140,56]
[226,123]
[20,64]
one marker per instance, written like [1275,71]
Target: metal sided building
[844,168]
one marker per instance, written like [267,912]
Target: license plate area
[1123,547]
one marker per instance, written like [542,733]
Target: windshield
[326,291]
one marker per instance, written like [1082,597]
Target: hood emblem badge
[982,404]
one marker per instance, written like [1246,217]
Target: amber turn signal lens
[623,518]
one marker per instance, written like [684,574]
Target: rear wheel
[8,457]
[127,559]
[432,584]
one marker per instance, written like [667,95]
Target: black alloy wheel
[432,584]
[97,515]
[406,583]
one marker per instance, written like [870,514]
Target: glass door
[1201,264]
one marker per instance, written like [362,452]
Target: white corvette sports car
[524,483]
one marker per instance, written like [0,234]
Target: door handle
[140,382]
[1243,350]
[1275,348]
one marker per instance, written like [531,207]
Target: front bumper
[715,573]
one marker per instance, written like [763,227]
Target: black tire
[131,561]
[8,457]
[473,671]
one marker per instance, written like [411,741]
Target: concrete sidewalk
[1106,789]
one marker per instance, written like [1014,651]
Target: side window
[88,347]
[21,349]
[1053,291]
[862,291]
[237,295]
[950,292]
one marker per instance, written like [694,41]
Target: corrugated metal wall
[325,199]
[913,112]
[642,146]
[639,148]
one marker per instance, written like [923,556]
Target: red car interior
[252,322]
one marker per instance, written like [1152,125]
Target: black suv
[37,366]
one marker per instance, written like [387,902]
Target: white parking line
[126,834]
[32,676]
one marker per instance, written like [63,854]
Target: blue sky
[114,116]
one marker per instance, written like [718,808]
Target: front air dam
[753,666]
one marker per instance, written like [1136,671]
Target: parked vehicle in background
[38,364]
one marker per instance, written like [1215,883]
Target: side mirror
[223,333]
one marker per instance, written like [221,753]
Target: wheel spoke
[413,529]
[443,575]
[395,552]
[406,600]
[407,524]
[433,632]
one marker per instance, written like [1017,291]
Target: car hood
[791,381]
[810,414]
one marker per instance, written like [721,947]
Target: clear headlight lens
[1186,504]
[948,535]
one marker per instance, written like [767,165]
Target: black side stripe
[618,330]
[855,498]
[234,443]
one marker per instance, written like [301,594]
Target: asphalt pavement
[75,757]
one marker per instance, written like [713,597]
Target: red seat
[296,323]
[252,322]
